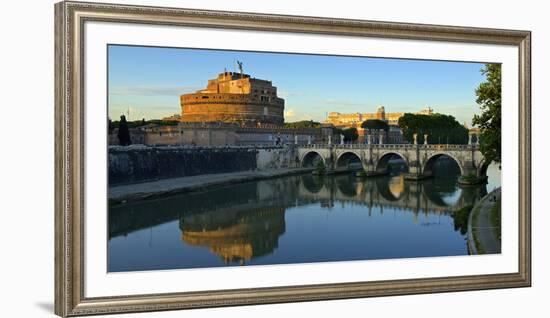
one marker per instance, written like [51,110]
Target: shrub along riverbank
[460,218]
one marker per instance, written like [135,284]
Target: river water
[296,219]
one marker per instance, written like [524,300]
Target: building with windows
[393,136]
[356,119]
[175,117]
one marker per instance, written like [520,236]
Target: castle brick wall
[219,135]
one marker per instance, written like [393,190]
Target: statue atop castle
[381,113]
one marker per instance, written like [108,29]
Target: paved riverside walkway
[165,187]
[480,228]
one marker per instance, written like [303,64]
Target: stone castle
[237,109]
[234,98]
[233,109]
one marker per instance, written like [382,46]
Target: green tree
[350,134]
[375,124]
[337,131]
[441,129]
[160,122]
[110,125]
[489,122]
[303,124]
[321,169]
[123,132]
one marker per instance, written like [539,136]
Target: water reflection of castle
[235,235]
[247,222]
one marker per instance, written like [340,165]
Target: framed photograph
[208,158]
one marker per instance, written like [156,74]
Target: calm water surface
[295,219]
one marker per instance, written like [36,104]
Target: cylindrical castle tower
[237,98]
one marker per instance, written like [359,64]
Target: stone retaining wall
[139,164]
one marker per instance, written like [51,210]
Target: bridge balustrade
[391,146]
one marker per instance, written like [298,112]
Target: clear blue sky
[149,80]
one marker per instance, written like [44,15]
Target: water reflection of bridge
[244,221]
[390,192]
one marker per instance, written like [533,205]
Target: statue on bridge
[471,142]
[341,139]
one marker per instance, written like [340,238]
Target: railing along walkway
[390,146]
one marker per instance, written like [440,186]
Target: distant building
[175,117]
[426,111]
[236,98]
[356,119]
[393,136]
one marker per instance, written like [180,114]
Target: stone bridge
[374,159]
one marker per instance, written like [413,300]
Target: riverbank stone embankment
[166,187]
[484,225]
[139,164]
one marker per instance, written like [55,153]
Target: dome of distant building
[237,98]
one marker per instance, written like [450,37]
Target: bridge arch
[347,158]
[310,159]
[427,170]
[384,160]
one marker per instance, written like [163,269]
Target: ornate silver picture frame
[70,147]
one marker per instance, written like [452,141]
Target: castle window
[205,97]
